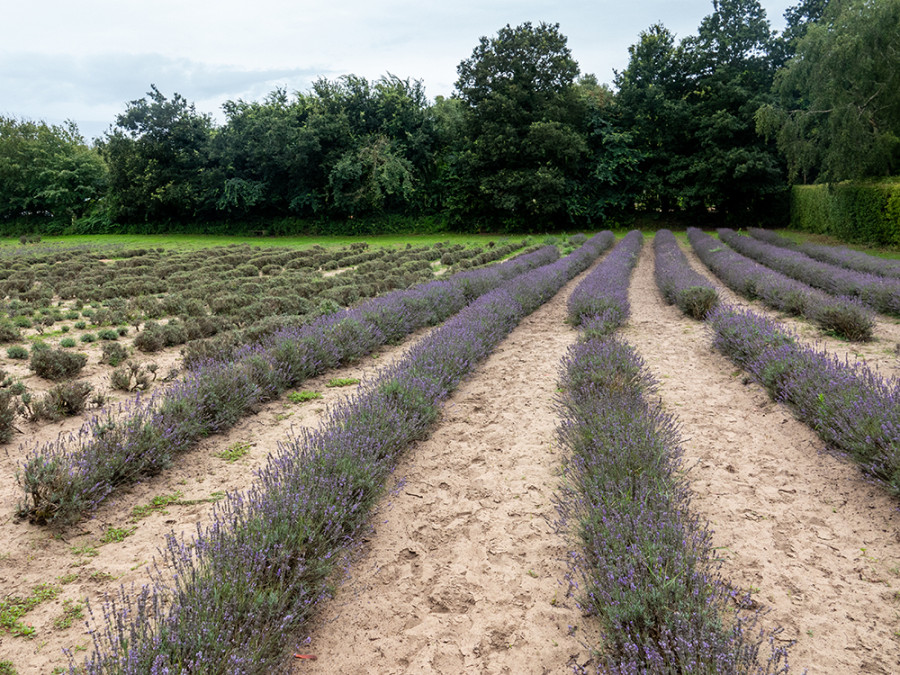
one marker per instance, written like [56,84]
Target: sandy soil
[79,563]
[815,541]
[465,572]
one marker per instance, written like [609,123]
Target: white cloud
[86,60]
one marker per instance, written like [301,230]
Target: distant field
[194,241]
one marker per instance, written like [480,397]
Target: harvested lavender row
[851,407]
[600,303]
[398,304]
[249,581]
[678,282]
[646,569]
[836,255]
[880,293]
[846,317]
[64,479]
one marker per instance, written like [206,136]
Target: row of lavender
[646,568]
[247,583]
[836,255]
[852,408]
[64,479]
[600,303]
[846,317]
[880,293]
[679,284]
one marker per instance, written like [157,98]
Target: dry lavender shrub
[64,478]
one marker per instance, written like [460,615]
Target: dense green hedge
[866,212]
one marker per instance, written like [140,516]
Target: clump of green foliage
[55,364]
[342,381]
[12,609]
[303,396]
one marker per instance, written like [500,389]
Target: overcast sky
[85,60]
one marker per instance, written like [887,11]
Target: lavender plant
[229,597]
[880,293]
[679,284]
[646,568]
[64,478]
[602,298]
[852,408]
[846,317]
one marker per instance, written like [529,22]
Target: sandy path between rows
[815,541]
[32,554]
[465,572]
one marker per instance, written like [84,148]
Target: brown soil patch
[814,540]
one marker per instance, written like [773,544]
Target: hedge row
[864,212]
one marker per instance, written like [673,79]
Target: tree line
[716,125]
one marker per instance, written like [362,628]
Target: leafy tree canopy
[837,114]
[47,170]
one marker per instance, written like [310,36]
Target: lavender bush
[846,317]
[73,474]
[234,595]
[880,293]
[835,255]
[852,408]
[602,298]
[679,284]
[646,569]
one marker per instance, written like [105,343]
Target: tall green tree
[651,100]
[837,114]
[690,107]
[731,60]
[346,147]
[610,179]
[798,19]
[158,155]
[267,159]
[47,171]
[525,143]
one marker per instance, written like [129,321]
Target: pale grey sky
[85,60]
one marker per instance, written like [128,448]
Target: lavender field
[593,457]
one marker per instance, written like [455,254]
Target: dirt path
[882,353]
[464,572]
[82,566]
[804,530]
